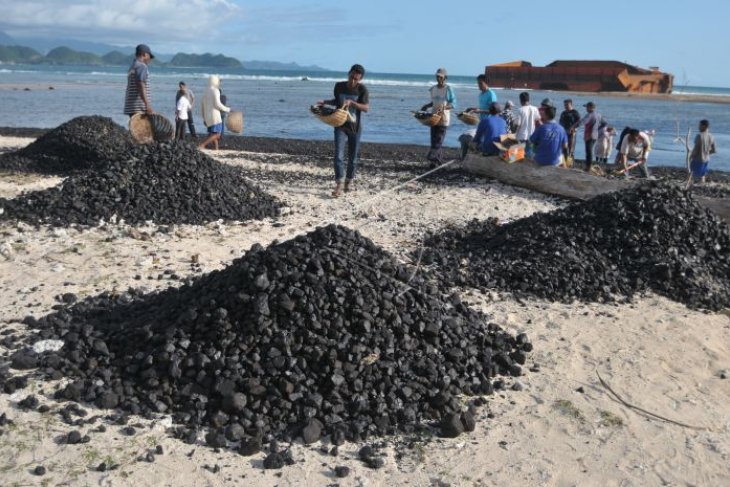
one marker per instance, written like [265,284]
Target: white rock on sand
[655,354]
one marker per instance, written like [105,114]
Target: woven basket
[149,128]
[234,122]
[469,118]
[428,119]
[334,117]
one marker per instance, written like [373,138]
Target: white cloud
[116,21]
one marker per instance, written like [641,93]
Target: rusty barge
[592,76]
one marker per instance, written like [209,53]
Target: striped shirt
[133,102]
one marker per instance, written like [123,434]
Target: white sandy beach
[564,428]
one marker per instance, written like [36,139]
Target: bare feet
[338,191]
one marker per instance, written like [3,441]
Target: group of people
[547,141]
[551,142]
[138,99]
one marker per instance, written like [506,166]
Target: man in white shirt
[182,112]
[635,148]
[527,120]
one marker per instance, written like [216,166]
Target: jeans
[353,152]
[191,124]
[589,153]
[438,134]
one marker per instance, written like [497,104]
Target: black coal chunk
[356,356]
[651,237]
[166,183]
[82,143]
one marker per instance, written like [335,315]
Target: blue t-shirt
[488,132]
[486,98]
[549,138]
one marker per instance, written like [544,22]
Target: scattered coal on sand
[80,144]
[166,183]
[325,334]
[652,237]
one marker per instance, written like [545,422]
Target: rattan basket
[234,122]
[334,117]
[149,128]
[429,119]
[469,118]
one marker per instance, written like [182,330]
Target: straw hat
[469,118]
[234,122]
[149,128]
[334,117]
[429,119]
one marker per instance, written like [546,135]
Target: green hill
[116,58]
[204,60]
[19,54]
[66,55]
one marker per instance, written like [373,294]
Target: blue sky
[403,36]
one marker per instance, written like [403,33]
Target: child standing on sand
[700,156]
[604,142]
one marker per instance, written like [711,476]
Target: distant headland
[62,55]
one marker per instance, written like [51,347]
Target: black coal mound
[318,335]
[615,245]
[164,183]
[80,144]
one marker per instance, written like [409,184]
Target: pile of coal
[652,237]
[164,183]
[80,144]
[325,334]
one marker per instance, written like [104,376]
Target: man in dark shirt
[569,117]
[353,96]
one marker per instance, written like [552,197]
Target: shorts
[216,129]
[699,168]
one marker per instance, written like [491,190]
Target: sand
[563,428]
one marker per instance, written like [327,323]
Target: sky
[402,36]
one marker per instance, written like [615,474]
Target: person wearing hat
[550,139]
[489,131]
[137,98]
[591,120]
[443,101]
[353,96]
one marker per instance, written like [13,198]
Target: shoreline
[325,149]
[677,97]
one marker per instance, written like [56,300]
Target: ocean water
[275,104]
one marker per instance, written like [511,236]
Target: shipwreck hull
[590,76]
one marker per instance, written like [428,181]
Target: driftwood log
[568,183]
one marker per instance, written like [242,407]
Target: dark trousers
[589,153]
[191,124]
[180,129]
[438,134]
[572,136]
